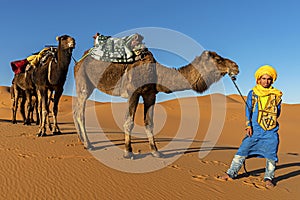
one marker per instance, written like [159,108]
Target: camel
[23,87]
[50,76]
[145,78]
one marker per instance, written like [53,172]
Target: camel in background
[143,78]
[23,87]
[50,76]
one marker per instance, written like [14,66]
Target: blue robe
[262,144]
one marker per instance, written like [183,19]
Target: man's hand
[249,131]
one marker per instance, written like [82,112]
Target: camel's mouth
[233,73]
[233,70]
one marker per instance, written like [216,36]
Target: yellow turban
[266,69]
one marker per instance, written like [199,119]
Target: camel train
[40,81]
[131,71]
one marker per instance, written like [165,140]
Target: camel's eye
[218,59]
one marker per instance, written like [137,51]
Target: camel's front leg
[22,108]
[57,96]
[129,124]
[35,106]
[43,111]
[149,102]
[83,92]
[29,108]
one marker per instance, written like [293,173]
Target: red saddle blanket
[19,66]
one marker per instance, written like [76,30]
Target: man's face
[265,81]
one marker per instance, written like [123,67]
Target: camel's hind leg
[129,123]
[83,90]
[15,100]
[149,102]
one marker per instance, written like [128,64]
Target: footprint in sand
[54,157]
[174,167]
[214,162]
[255,183]
[21,155]
[200,177]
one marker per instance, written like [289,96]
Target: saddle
[120,50]
[21,66]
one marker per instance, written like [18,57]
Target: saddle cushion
[19,66]
[111,49]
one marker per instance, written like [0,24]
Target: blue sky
[252,33]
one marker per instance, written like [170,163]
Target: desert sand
[58,167]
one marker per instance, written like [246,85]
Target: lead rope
[233,78]
[74,59]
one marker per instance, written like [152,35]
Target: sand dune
[58,167]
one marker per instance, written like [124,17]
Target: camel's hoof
[56,133]
[27,123]
[128,155]
[88,147]
[157,154]
[40,134]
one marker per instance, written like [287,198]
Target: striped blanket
[123,49]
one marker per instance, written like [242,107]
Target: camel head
[210,68]
[223,65]
[66,42]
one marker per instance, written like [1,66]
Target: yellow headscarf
[262,92]
[266,69]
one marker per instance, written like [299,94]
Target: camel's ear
[57,38]
[206,53]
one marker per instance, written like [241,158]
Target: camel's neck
[171,80]
[63,59]
[58,72]
[195,76]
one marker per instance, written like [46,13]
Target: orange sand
[58,167]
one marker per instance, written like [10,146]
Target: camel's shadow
[9,121]
[167,153]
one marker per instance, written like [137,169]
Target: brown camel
[144,78]
[23,87]
[50,76]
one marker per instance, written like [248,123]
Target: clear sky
[252,33]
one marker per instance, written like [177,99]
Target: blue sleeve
[248,108]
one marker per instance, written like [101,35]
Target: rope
[233,78]
[74,59]
[85,55]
